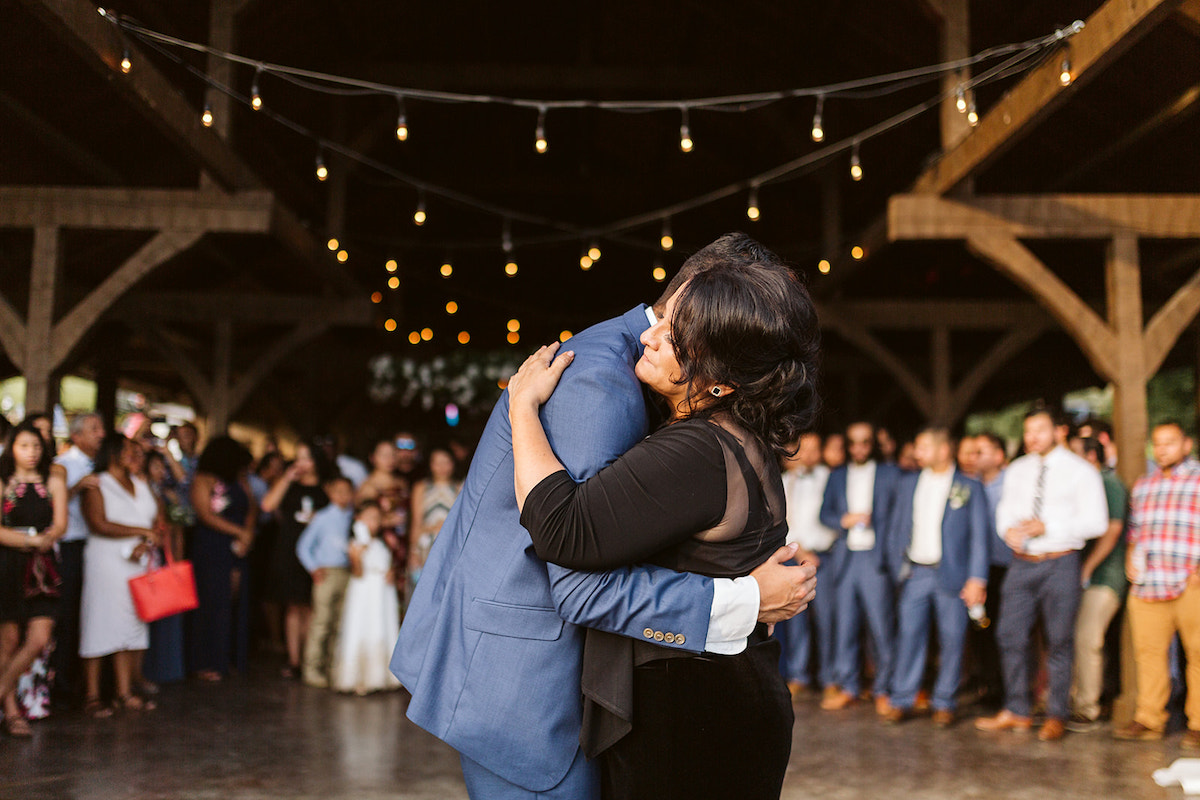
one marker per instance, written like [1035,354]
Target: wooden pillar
[940,357]
[954,44]
[218,405]
[220,36]
[39,328]
[1130,414]
[106,386]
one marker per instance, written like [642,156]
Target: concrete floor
[262,737]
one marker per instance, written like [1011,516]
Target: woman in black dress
[734,357]
[295,498]
[34,517]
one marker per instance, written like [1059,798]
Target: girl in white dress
[371,612]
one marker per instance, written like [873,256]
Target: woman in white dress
[122,515]
[371,611]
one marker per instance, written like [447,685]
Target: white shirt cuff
[734,615]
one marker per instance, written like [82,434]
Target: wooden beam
[1060,216]
[954,44]
[71,328]
[191,373]
[939,356]
[39,362]
[136,209]
[247,307]
[926,314]
[1005,350]
[1110,31]
[49,134]
[266,362]
[861,338]
[1084,325]
[1130,412]
[12,333]
[1169,323]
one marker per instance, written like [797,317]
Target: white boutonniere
[959,495]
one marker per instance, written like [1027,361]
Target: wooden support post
[38,364]
[1130,415]
[954,44]
[218,405]
[939,351]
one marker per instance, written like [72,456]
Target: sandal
[17,726]
[133,702]
[95,708]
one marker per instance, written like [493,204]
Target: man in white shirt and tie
[1052,503]
[804,486]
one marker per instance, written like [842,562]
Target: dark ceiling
[62,123]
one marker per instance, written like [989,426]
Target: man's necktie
[1039,490]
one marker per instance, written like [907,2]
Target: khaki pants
[1096,610]
[1154,624]
[319,649]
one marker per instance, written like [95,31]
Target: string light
[513,337]
[539,137]
[393,282]
[126,64]
[206,117]
[426,334]
[510,268]
[255,97]
[823,266]
[332,244]
[972,114]
[419,215]
[857,253]
[447,269]
[376,297]
[1064,71]
[752,212]
[391,265]
[666,241]
[452,307]
[463,337]
[685,134]
[855,164]
[659,274]
[594,251]
[343,256]
[585,262]
[414,337]
[818,128]
[514,325]
[322,170]
[390,325]
[401,121]
[564,335]
[960,99]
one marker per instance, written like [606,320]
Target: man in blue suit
[857,501]
[491,647]
[937,553]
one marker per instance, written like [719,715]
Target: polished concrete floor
[263,737]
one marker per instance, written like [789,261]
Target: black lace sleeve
[667,488]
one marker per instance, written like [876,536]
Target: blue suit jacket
[492,643]
[834,507]
[965,532]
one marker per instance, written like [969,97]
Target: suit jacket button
[658,636]
[679,638]
[669,638]
[648,633]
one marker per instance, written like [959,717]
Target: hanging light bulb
[855,164]
[972,114]
[510,268]
[823,266]
[666,241]
[818,127]
[206,117]
[960,99]
[447,269]
[586,262]
[126,63]
[539,137]
[594,251]
[752,212]
[322,170]
[401,121]
[1064,71]
[685,134]
[390,265]
[419,215]
[658,273]
[255,97]
[332,244]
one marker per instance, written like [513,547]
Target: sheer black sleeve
[667,488]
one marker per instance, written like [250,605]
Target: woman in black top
[734,357]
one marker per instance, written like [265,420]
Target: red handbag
[164,592]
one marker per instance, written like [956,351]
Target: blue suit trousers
[863,591]
[923,600]
[816,622]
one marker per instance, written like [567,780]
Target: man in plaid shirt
[1163,561]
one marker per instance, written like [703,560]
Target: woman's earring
[715,391]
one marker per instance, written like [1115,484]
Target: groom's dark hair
[732,248]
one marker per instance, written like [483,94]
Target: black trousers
[65,659]
[710,727]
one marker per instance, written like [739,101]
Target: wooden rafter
[136,209]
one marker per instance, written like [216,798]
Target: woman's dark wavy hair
[110,450]
[754,327]
[8,462]
[224,457]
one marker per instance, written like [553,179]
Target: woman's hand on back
[538,376]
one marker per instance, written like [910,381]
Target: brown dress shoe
[896,715]
[1137,732]
[922,701]
[943,718]
[883,705]
[837,701]
[1052,730]
[1004,721]
[797,689]
[1190,741]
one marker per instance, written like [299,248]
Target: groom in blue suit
[937,552]
[492,643]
